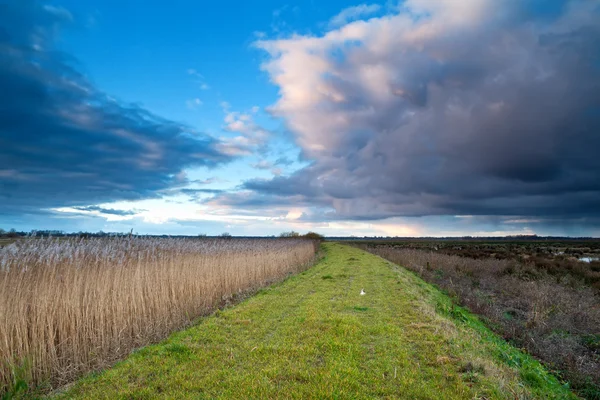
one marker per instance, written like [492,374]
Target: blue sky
[417,118]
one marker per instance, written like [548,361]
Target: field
[316,336]
[6,241]
[70,306]
[571,258]
[541,296]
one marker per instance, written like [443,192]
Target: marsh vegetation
[70,306]
[538,296]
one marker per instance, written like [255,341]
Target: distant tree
[202,235]
[12,233]
[289,234]
[2,232]
[226,235]
[314,236]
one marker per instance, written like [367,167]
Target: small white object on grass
[362,292]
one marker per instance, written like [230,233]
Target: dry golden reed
[71,306]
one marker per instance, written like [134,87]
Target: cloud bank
[63,142]
[478,107]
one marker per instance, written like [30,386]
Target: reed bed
[71,306]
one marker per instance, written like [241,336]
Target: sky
[409,118]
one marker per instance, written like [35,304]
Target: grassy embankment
[314,335]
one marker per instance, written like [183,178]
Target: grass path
[315,336]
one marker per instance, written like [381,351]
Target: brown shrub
[541,305]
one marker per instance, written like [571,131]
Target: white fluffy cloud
[251,135]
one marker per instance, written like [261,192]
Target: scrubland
[548,306]
[70,306]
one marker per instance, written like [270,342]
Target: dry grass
[552,316]
[71,306]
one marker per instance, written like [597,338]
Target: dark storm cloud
[62,141]
[478,107]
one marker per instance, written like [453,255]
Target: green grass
[315,336]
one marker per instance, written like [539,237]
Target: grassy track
[315,336]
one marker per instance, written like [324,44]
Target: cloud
[478,108]
[194,103]
[198,195]
[208,181]
[278,22]
[252,138]
[63,142]
[196,191]
[199,79]
[274,166]
[263,164]
[59,12]
[285,161]
[352,14]
[109,211]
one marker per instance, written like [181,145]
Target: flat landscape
[315,335]
[306,199]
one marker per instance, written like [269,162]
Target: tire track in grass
[315,336]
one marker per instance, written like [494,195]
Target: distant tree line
[12,233]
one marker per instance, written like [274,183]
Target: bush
[316,239]
[290,234]
[314,236]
